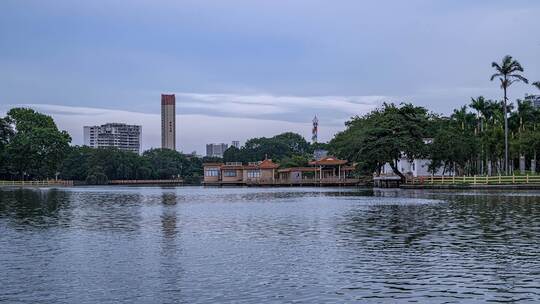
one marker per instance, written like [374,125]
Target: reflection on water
[253,245]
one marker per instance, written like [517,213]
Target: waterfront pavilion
[331,168]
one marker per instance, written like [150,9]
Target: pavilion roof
[328,161]
[268,164]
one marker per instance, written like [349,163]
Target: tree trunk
[505,131]
[533,163]
[396,171]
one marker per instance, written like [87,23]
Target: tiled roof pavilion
[268,164]
[328,161]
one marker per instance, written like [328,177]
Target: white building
[416,167]
[114,135]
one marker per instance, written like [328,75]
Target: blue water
[268,245]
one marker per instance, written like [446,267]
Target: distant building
[534,99]
[216,150]
[114,135]
[416,167]
[236,144]
[168,121]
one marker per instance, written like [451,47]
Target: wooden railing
[474,180]
[62,183]
[144,181]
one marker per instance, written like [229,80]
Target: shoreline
[532,186]
[364,186]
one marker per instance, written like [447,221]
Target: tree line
[98,166]
[33,148]
[289,149]
[485,137]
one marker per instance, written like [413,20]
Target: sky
[243,68]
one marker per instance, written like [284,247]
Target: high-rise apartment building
[168,121]
[216,150]
[236,144]
[114,135]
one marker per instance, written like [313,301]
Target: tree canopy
[101,165]
[281,146]
[383,136]
[32,145]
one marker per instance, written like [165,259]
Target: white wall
[416,167]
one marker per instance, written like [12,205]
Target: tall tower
[315,130]
[168,121]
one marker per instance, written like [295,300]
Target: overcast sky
[255,68]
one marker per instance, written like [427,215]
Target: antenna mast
[315,129]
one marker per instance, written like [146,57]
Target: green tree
[463,119]
[382,136]
[296,143]
[233,154]
[277,147]
[294,161]
[37,147]
[27,120]
[453,148]
[76,164]
[167,163]
[96,176]
[6,133]
[507,72]
[479,104]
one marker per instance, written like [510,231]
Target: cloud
[196,129]
[274,62]
[285,108]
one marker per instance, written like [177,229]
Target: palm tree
[508,72]
[525,114]
[537,84]
[479,104]
[463,118]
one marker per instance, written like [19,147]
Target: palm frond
[495,76]
[518,78]
[537,84]
[496,66]
[516,66]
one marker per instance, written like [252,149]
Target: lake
[268,245]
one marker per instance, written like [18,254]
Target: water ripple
[271,245]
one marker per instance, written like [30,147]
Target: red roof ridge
[328,160]
[268,164]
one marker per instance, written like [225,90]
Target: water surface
[268,245]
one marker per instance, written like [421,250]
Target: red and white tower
[315,129]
